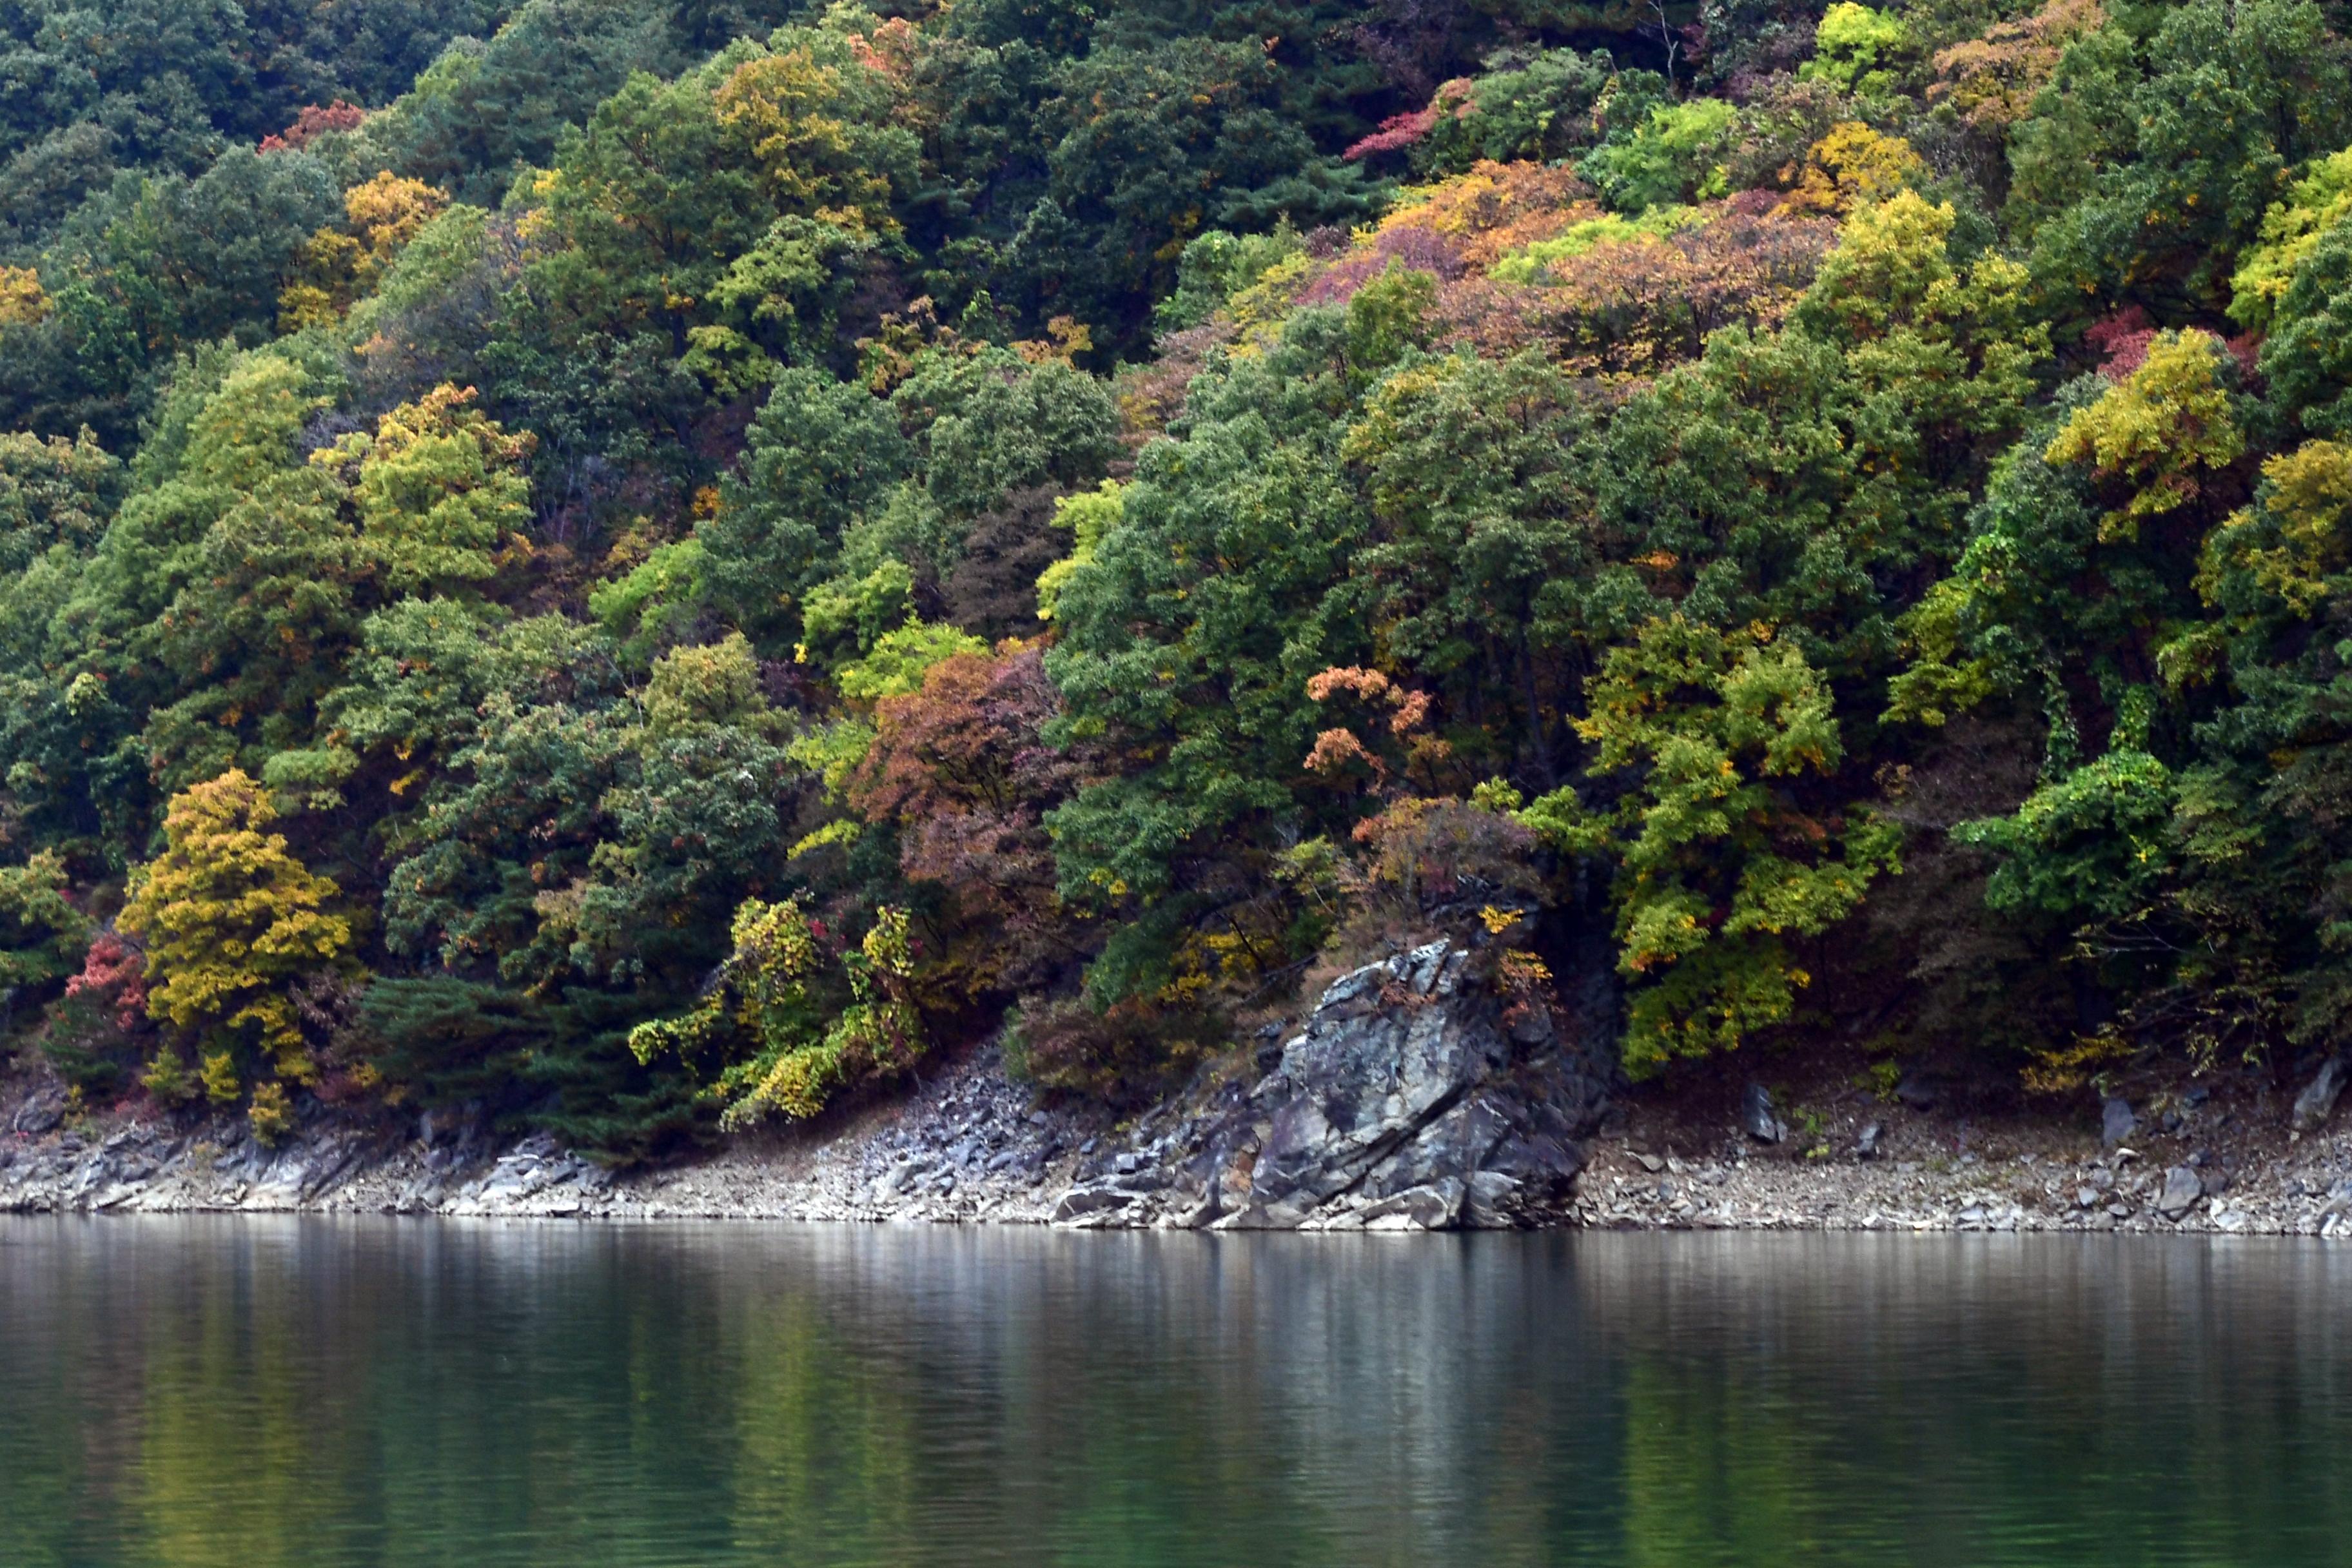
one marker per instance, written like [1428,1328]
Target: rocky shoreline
[2238,1153]
[1411,1098]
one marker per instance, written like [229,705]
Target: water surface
[254,1392]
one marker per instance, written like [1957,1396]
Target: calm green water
[253,1392]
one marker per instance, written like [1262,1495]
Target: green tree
[1722,860]
[770,1036]
[42,934]
[2231,98]
[1187,640]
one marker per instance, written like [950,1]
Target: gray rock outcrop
[2317,1101]
[1415,1098]
[1757,1117]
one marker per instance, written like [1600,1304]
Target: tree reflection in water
[251,1393]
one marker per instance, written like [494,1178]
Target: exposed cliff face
[1413,1097]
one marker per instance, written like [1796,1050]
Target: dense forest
[643,566]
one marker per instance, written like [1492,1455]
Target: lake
[254,1392]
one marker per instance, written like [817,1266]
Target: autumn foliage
[694,554]
[229,919]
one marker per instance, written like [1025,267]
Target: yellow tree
[2148,434]
[230,919]
[339,265]
[438,488]
[22,301]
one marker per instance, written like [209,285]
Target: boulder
[2182,1188]
[1916,1090]
[1082,1201]
[40,1113]
[2317,1101]
[1415,1208]
[2116,1121]
[1757,1117]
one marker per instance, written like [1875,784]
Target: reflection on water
[254,1392]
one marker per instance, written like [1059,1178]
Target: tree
[1859,49]
[1478,530]
[1675,154]
[694,826]
[960,768]
[821,452]
[781,1044]
[53,492]
[504,842]
[1720,862]
[42,934]
[230,920]
[1186,642]
[1150,146]
[2150,435]
[340,263]
[438,488]
[2233,97]
[2305,357]
[1993,80]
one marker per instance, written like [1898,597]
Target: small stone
[1651,1163]
[2086,1196]
[1866,1146]
[1126,1163]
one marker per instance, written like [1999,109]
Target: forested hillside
[646,567]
